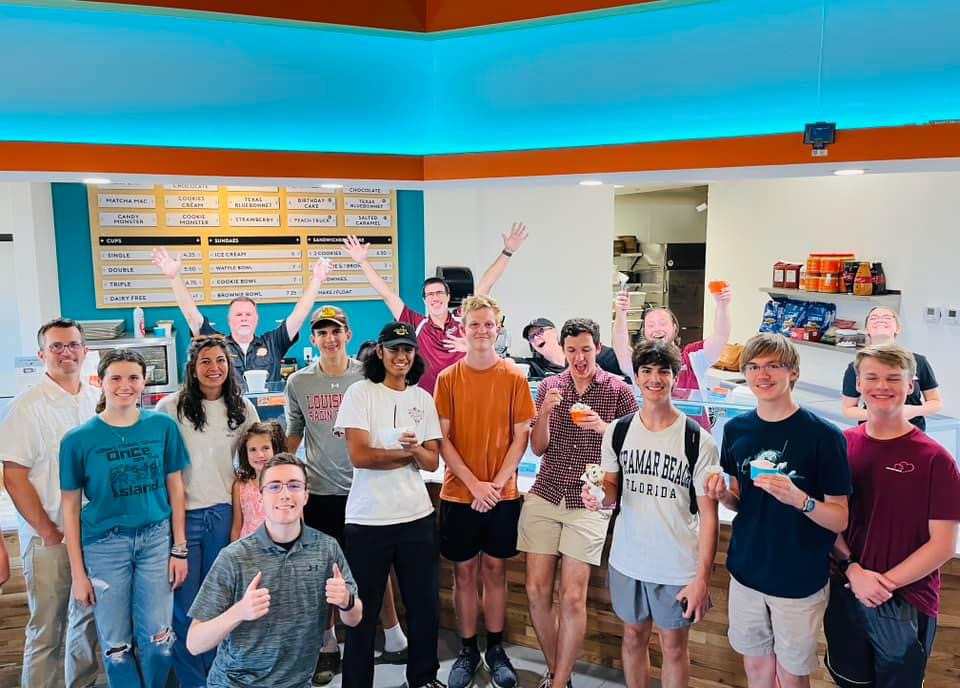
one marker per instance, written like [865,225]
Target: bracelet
[178,556]
[179,551]
[507,253]
[350,605]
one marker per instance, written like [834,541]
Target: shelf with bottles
[889,300]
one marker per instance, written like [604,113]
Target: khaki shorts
[545,528]
[763,625]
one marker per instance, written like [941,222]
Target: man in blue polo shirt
[249,350]
[266,600]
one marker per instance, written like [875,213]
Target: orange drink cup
[579,413]
[717,286]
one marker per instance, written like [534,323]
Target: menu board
[255,241]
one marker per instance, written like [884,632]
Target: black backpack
[691,448]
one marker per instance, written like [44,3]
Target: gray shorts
[636,602]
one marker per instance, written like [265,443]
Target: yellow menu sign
[254,241]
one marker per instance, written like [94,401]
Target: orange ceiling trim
[97,159]
[895,143]
[422,16]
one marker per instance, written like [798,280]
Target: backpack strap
[619,435]
[691,448]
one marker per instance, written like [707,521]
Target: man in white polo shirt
[61,639]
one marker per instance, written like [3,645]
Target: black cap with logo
[396,333]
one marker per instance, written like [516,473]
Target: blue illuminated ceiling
[685,70]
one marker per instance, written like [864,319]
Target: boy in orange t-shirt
[485,408]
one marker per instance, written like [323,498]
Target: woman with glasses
[127,462]
[212,414]
[883,326]
[392,432]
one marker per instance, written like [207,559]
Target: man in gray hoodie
[313,397]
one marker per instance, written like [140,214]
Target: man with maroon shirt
[440,337]
[904,515]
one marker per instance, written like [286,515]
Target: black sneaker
[502,673]
[464,668]
[328,666]
[435,683]
[398,657]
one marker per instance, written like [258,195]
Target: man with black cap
[547,357]
[392,431]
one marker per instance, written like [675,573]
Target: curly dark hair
[190,401]
[374,371]
[271,429]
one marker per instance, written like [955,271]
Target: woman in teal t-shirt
[127,463]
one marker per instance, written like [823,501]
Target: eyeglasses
[293,486]
[535,332]
[766,367]
[428,294]
[58,347]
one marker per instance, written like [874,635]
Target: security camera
[820,135]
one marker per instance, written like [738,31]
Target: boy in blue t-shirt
[789,481]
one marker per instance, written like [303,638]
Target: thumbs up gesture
[256,600]
[337,592]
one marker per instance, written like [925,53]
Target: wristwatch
[809,505]
[846,563]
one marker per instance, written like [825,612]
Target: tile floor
[528,663]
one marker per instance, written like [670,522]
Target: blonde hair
[478,302]
[771,344]
[888,354]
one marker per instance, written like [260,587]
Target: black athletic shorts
[464,533]
[327,514]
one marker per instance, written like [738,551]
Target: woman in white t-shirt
[212,414]
[392,432]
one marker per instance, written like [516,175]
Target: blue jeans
[208,532]
[129,571]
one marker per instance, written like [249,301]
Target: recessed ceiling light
[95,180]
[848,172]
[591,182]
[331,186]
[618,186]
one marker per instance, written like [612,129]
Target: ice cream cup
[717,286]
[760,467]
[578,416]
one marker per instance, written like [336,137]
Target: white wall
[907,221]
[565,268]
[662,216]
[28,273]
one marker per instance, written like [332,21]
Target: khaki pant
[61,644]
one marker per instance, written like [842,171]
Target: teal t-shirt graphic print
[121,471]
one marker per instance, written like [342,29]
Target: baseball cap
[330,314]
[397,333]
[537,322]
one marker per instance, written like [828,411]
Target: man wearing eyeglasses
[61,641]
[249,350]
[266,601]
[439,333]
[789,481]
[547,357]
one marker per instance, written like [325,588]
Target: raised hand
[321,269]
[623,300]
[337,592]
[514,240]
[356,249]
[256,600]
[168,265]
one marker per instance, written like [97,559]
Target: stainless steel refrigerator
[673,276]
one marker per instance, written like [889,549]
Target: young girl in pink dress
[257,445]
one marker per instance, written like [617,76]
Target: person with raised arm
[249,350]
[439,332]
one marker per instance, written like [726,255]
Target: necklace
[123,437]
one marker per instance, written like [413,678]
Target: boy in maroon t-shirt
[904,515]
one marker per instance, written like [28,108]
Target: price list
[259,242]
